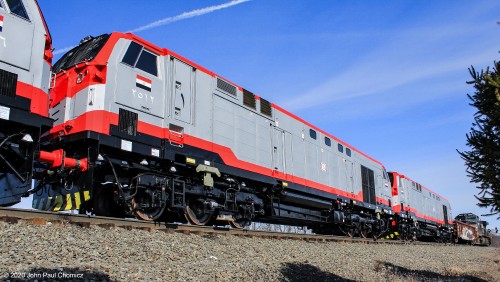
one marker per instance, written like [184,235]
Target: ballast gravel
[64,252]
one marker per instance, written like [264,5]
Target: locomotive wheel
[196,213]
[350,231]
[404,235]
[240,223]
[365,231]
[148,214]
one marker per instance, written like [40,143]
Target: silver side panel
[247,134]
[22,45]
[16,41]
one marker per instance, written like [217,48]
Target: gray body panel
[22,44]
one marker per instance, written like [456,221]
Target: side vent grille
[265,108]
[226,87]
[249,99]
[127,122]
[8,83]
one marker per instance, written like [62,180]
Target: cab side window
[17,8]
[147,62]
[138,57]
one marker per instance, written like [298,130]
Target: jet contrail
[183,16]
[187,15]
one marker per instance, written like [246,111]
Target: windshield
[469,218]
[85,52]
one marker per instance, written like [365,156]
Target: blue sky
[388,77]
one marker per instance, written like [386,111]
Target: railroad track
[12,215]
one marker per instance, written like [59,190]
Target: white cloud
[409,58]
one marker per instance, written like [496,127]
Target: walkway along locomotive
[168,139]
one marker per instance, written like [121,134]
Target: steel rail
[13,215]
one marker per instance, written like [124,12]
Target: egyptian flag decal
[143,82]
[1,23]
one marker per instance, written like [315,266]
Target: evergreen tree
[483,159]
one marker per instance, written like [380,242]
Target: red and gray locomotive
[165,137]
[135,130]
[421,213]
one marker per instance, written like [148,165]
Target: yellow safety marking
[47,206]
[190,161]
[59,203]
[392,235]
[77,200]
[285,184]
[396,233]
[69,204]
[86,195]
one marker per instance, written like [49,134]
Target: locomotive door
[278,140]
[288,152]
[368,185]
[16,31]
[183,90]
[445,214]
[402,192]
[349,175]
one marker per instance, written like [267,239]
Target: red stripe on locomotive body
[86,122]
[39,99]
